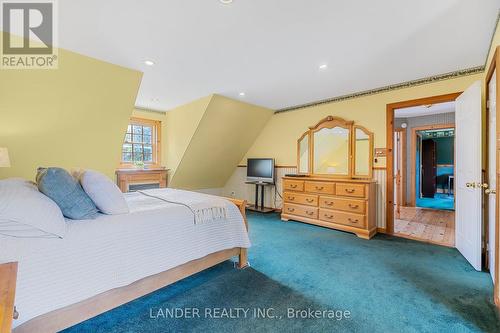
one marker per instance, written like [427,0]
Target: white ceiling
[271,49]
[418,111]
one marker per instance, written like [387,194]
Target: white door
[492,178]
[468,175]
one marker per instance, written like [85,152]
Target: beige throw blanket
[204,207]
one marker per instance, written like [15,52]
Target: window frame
[155,143]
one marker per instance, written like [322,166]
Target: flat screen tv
[260,170]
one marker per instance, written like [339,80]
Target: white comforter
[113,251]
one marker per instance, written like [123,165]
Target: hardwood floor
[427,225]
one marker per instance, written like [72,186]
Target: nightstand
[8,277]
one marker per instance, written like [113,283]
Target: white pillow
[25,212]
[106,195]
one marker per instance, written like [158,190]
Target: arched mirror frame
[305,135]
[331,122]
[370,152]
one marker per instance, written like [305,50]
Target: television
[260,170]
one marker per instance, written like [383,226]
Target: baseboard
[382,230]
[276,210]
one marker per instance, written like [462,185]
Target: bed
[103,263]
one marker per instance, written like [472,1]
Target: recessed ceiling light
[149,62]
[323,66]
[226,2]
[242,94]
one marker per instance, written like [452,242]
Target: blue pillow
[66,191]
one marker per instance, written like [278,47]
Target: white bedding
[113,251]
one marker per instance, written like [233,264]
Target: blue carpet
[387,284]
[440,201]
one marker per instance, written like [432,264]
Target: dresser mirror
[363,152]
[303,154]
[336,148]
[331,151]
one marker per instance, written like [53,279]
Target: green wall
[444,150]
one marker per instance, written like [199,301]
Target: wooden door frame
[404,166]
[495,63]
[390,147]
[413,171]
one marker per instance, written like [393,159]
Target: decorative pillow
[25,212]
[60,186]
[105,194]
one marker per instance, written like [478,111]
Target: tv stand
[255,207]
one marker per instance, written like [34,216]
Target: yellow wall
[203,141]
[226,131]
[279,137]
[178,127]
[73,116]
[181,125]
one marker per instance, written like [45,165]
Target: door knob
[490,191]
[476,185]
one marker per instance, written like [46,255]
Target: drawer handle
[291,198]
[328,216]
[310,213]
[353,206]
[16,314]
[293,185]
[309,200]
[319,188]
[350,190]
[329,203]
[353,220]
[291,209]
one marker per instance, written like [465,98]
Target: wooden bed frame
[71,315]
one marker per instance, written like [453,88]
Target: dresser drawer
[348,205]
[320,187]
[353,220]
[351,190]
[299,198]
[293,185]
[310,212]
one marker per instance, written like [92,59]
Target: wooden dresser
[127,178]
[343,204]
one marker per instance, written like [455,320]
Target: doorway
[425,173]
[468,187]
[433,165]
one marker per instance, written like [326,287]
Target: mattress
[113,251]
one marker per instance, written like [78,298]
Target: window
[142,143]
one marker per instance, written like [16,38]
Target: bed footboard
[243,256]
[68,316]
